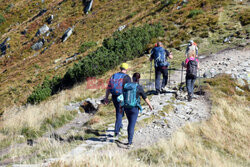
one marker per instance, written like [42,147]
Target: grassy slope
[22,75]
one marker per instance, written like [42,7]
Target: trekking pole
[181,75]
[200,81]
[169,79]
[150,71]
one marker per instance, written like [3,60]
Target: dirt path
[171,109]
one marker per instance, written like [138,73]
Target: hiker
[131,104]
[191,45]
[160,55]
[115,87]
[192,65]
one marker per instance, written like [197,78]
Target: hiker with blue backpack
[130,101]
[115,87]
[192,65]
[160,56]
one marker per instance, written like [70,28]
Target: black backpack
[192,68]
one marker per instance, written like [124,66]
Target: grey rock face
[210,73]
[121,28]
[42,30]
[239,89]
[88,6]
[4,45]
[240,81]
[50,19]
[67,34]
[38,45]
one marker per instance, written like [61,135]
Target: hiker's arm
[148,103]
[107,93]
[107,96]
[152,55]
[144,96]
[170,55]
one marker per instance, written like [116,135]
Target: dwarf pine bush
[121,47]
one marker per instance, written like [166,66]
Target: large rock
[121,28]
[67,34]
[91,105]
[88,6]
[4,45]
[42,30]
[38,45]
[210,73]
[50,19]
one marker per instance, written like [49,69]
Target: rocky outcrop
[50,19]
[88,6]
[38,45]
[91,105]
[42,30]
[3,46]
[67,34]
[122,28]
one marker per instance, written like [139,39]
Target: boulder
[210,73]
[239,89]
[38,45]
[4,45]
[67,34]
[50,19]
[88,5]
[42,30]
[240,82]
[91,105]
[121,28]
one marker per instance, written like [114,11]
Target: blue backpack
[129,95]
[116,83]
[160,57]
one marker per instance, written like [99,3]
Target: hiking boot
[189,98]
[157,92]
[130,146]
[164,90]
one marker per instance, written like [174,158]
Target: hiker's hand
[183,64]
[106,101]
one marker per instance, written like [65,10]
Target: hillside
[22,68]
[36,56]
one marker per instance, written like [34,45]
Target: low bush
[244,17]
[195,12]
[2,19]
[121,47]
[86,45]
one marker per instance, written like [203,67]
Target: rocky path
[171,109]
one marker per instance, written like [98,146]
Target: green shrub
[195,12]
[121,47]
[86,45]
[244,17]
[2,19]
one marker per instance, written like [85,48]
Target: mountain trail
[171,109]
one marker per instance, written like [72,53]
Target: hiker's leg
[132,115]
[118,122]
[188,84]
[165,77]
[192,86]
[157,79]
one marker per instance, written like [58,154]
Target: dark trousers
[119,114]
[132,115]
[190,85]
[158,72]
